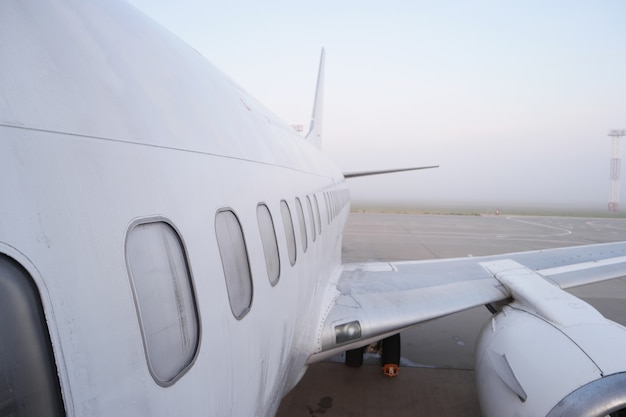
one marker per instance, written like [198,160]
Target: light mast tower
[616,165]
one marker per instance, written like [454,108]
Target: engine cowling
[548,353]
[527,365]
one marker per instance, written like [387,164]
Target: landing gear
[354,357]
[390,356]
[389,349]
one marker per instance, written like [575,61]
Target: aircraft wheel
[390,357]
[354,357]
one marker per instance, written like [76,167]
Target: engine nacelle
[549,354]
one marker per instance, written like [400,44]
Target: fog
[513,100]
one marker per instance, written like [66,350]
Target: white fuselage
[118,122]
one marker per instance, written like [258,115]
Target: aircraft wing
[375,300]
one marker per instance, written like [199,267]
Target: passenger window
[270,245]
[303,236]
[318,219]
[289,232]
[164,297]
[235,262]
[311,218]
[327,207]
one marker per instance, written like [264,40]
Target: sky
[513,99]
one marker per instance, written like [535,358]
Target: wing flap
[583,273]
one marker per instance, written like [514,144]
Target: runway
[436,375]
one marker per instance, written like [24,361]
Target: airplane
[169,247]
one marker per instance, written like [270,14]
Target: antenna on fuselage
[315,130]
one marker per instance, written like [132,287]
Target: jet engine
[550,354]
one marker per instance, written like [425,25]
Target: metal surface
[388,297]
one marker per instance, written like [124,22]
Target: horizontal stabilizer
[384,171]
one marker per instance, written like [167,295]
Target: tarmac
[436,374]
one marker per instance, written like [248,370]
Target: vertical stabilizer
[315,130]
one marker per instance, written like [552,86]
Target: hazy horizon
[513,100]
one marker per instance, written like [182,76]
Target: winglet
[315,130]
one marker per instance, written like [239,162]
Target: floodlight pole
[616,165]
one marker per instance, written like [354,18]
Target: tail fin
[315,130]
